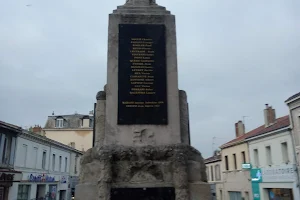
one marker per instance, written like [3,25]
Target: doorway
[143,193]
[40,192]
[2,193]
[62,195]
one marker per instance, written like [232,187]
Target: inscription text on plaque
[142,82]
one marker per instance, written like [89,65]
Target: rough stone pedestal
[178,166]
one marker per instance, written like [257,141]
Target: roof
[70,121]
[281,122]
[212,159]
[10,126]
[35,136]
[293,97]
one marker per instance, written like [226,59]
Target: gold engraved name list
[142,76]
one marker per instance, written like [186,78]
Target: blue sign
[41,178]
[256,178]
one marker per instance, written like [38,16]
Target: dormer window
[59,123]
[85,123]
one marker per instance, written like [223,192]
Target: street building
[36,167]
[236,179]
[214,175]
[74,130]
[8,175]
[273,161]
[293,104]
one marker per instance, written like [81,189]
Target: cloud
[233,57]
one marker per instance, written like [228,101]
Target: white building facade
[214,176]
[47,167]
[272,157]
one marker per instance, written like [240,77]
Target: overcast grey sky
[234,56]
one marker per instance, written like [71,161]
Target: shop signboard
[284,173]
[41,178]
[246,166]
[256,178]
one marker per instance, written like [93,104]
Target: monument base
[109,171]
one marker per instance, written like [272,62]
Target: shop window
[23,192]
[280,193]
[52,192]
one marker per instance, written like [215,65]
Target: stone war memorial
[142,145]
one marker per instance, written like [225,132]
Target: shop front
[279,183]
[37,186]
[7,178]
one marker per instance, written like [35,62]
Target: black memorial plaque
[142,80]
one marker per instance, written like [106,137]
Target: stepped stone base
[178,166]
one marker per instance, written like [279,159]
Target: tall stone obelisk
[142,141]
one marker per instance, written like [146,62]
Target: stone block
[199,191]
[86,191]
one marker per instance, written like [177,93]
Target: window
[34,157]
[243,157]
[247,197]
[52,191]
[212,173]
[85,123]
[53,162]
[12,151]
[66,164]
[221,195]
[75,166]
[285,154]
[234,161]
[44,160]
[3,148]
[59,123]
[235,195]
[24,157]
[256,158]
[23,192]
[207,173]
[268,155]
[60,163]
[217,172]
[226,163]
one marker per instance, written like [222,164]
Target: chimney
[37,129]
[72,144]
[270,116]
[239,128]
